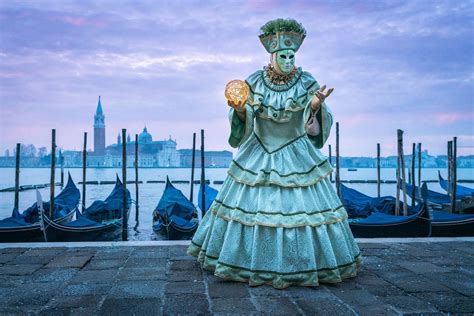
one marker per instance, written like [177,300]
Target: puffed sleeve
[240,131]
[325,120]
[324,114]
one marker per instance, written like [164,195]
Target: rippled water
[150,193]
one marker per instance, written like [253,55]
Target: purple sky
[164,64]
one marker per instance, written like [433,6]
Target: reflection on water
[150,193]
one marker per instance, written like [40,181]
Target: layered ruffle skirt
[277,220]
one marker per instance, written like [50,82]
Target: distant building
[150,153]
[211,158]
[99,131]
[72,158]
[42,151]
[161,153]
[465,162]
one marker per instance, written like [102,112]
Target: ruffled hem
[290,207]
[255,165]
[324,217]
[276,256]
[275,279]
[277,206]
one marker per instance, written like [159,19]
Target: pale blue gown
[277,219]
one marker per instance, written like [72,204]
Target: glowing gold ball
[237,91]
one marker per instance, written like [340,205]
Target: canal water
[150,193]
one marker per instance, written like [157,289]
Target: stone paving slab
[423,276]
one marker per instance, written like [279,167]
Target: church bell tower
[99,131]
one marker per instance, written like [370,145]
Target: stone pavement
[432,276]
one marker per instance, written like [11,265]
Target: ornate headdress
[282,34]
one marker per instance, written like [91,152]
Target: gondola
[358,204]
[445,224]
[384,225]
[210,194]
[440,201]
[461,191]
[108,227]
[174,216]
[110,208]
[464,196]
[25,226]
[434,199]
[452,225]
[443,201]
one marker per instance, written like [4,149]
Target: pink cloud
[452,117]
[12,74]
[263,5]
[82,21]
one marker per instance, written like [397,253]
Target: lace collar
[268,75]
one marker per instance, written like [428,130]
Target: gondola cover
[210,193]
[111,207]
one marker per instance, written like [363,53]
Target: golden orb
[237,91]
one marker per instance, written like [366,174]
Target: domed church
[144,137]
[161,153]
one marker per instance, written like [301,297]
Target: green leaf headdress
[282,34]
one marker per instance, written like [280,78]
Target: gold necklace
[277,78]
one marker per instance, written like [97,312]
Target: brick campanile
[99,131]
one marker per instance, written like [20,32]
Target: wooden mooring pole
[84,167]
[136,183]
[454,176]
[402,170]
[413,175]
[450,167]
[419,170]
[203,176]
[53,167]
[338,170]
[17,177]
[330,162]
[193,161]
[124,186]
[378,169]
[61,163]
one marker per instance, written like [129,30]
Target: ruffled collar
[280,87]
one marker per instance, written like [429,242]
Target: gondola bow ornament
[39,203]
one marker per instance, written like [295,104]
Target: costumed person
[277,219]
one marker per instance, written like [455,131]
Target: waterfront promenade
[430,276]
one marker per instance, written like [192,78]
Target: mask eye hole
[283,56]
[291,56]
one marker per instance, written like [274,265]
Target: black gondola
[461,191]
[452,225]
[433,198]
[445,224]
[108,228]
[384,225]
[173,217]
[25,226]
[358,204]
[464,204]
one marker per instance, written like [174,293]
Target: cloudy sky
[164,64]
